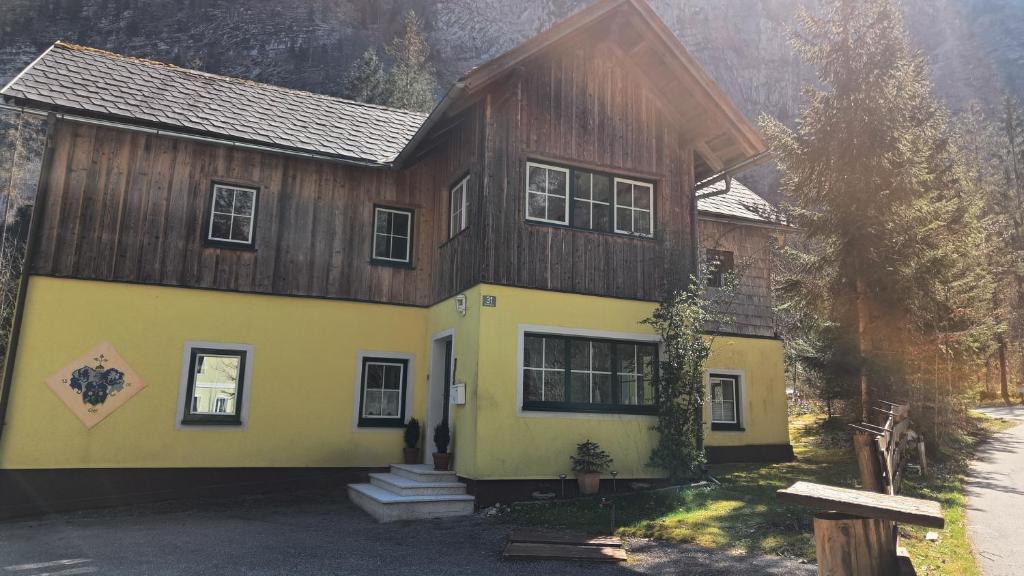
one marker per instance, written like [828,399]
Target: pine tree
[367,81]
[411,84]
[882,199]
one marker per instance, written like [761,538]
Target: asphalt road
[312,534]
[995,506]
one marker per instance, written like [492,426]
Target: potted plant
[588,464]
[442,437]
[412,438]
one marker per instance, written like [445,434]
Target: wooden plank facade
[752,247]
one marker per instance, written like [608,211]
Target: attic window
[392,236]
[720,265]
[232,217]
[547,193]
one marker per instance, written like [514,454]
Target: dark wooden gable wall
[130,206]
[583,105]
[752,246]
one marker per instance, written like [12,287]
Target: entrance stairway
[412,492]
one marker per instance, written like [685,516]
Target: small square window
[720,266]
[232,217]
[215,383]
[634,207]
[547,193]
[382,392]
[459,208]
[392,236]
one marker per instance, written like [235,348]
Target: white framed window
[392,235]
[547,193]
[459,207]
[634,207]
[724,398]
[232,217]
[216,384]
[591,201]
[383,389]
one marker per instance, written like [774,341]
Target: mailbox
[458,393]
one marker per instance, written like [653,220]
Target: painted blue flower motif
[96,384]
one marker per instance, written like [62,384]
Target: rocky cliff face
[976,47]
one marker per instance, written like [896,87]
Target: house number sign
[490,301]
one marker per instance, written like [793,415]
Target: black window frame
[398,421]
[572,196]
[588,407]
[737,391]
[235,419]
[720,263]
[374,259]
[208,240]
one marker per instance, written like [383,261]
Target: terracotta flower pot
[590,482]
[412,455]
[442,461]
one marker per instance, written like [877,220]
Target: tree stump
[850,545]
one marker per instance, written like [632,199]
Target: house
[235,286]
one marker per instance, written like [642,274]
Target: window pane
[581,214]
[627,390]
[244,202]
[554,353]
[240,228]
[215,384]
[399,248]
[602,357]
[374,376]
[223,200]
[393,377]
[581,181]
[371,404]
[400,224]
[627,361]
[623,194]
[602,189]
[554,386]
[537,179]
[557,184]
[624,219]
[533,382]
[221,228]
[642,197]
[728,391]
[382,222]
[601,218]
[533,347]
[581,388]
[556,209]
[390,405]
[536,207]
[580,355]
[641,222]
[603,389]
[382,246]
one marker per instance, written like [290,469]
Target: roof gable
[99,83]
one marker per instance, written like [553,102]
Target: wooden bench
[855,531]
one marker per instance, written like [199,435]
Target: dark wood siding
[583,106]
[131,206]
[752,248]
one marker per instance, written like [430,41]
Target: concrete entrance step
[387,506]
[408,487]
[423,473]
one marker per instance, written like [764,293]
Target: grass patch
[743,515]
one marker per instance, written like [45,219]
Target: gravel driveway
[311,533]
[995,496]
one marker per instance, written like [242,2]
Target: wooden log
[868,462]
[850,545]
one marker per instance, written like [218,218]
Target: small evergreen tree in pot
[588,464]
[442,437]
[412,439]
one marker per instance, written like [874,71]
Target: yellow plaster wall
[304,369]
[514,444]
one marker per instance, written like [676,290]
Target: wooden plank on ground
[530,551]
[542,536]
[867,504]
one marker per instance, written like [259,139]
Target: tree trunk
[862,348]
[849,545]
[1004,387]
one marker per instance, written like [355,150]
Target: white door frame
[435,390]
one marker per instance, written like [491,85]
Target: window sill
[391,264]
[543,224]
[250,247]
[453,238]
[591,409]
[727,428]
[211,422]
[386,424]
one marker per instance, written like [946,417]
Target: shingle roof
[91,81]
[739,202]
